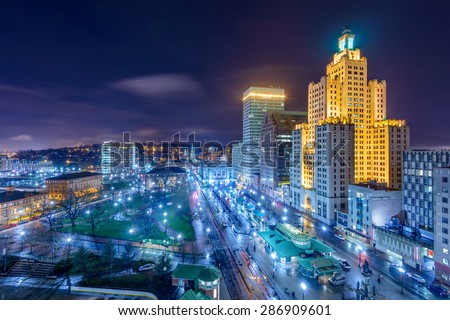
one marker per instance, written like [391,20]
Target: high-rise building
[110,156]
[256,102]
[441,185]
[418,187]
[344,96]
[276,148]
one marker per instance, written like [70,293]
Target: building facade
[418,188]
[441,208]
[216,174]
[344,95]
[325,169]
[276,149]
[80,183]
[371,205]
[256,102]
[16,206]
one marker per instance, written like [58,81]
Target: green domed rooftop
[208,275]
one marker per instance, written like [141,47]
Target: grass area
[177,223]
[112,229]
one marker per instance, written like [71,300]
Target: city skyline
[72,75]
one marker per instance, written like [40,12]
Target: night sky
[79,72]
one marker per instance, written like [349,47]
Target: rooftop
[8,196]
[194,295]
[76,175]
[188,271]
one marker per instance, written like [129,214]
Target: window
[444,189]
[445,220]
[445,261]
[444,179]
[444,250]
[445,230]
[444,200]
[444,210]
[444,240]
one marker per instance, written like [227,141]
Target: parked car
[34,218]
[339,237]
[9,226]
[344,264]
[146,267]
[438,290]
[337,279]
[416,277]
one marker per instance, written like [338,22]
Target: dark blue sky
[75,72]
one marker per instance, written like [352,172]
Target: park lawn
[112,229]
[181,226]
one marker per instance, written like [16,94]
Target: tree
[81,259]
[128,255]
[96,216]
[147,222]
[164,264]
[73,205]
[46,212]
[108,253]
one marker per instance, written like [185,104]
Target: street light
[21,239]
[69,241]
[274,256]
[284,218]
[324,229]
[359,255]
[402,271]
[254,241]
[165,226]
[303,285]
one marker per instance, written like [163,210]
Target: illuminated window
[350,43]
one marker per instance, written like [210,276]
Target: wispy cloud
[22,137]
[162,85]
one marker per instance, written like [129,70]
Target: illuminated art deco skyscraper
[344,97]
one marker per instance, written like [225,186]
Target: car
[34,218]
[416,277]
[344,264]
[437,289]
[146,267]
[339,237]
[9,226]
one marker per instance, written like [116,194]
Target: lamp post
[303,286]
[21,239]
[165,226]
[359,255]
[207,232]
[324,229]
[402,271]
[254,241]
[69,242]
[274,256]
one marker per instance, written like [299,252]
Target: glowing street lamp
[359,255]
[324,229]
[273,255]
[303,286]
[284,218]
[21,239]
[69,242]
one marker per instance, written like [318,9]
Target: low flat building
[290,245]
[370,204]
[80,183]
[16,206]
[215,174]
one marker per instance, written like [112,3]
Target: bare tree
[46,212]
[147,222]
[73,205]
[96,216]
